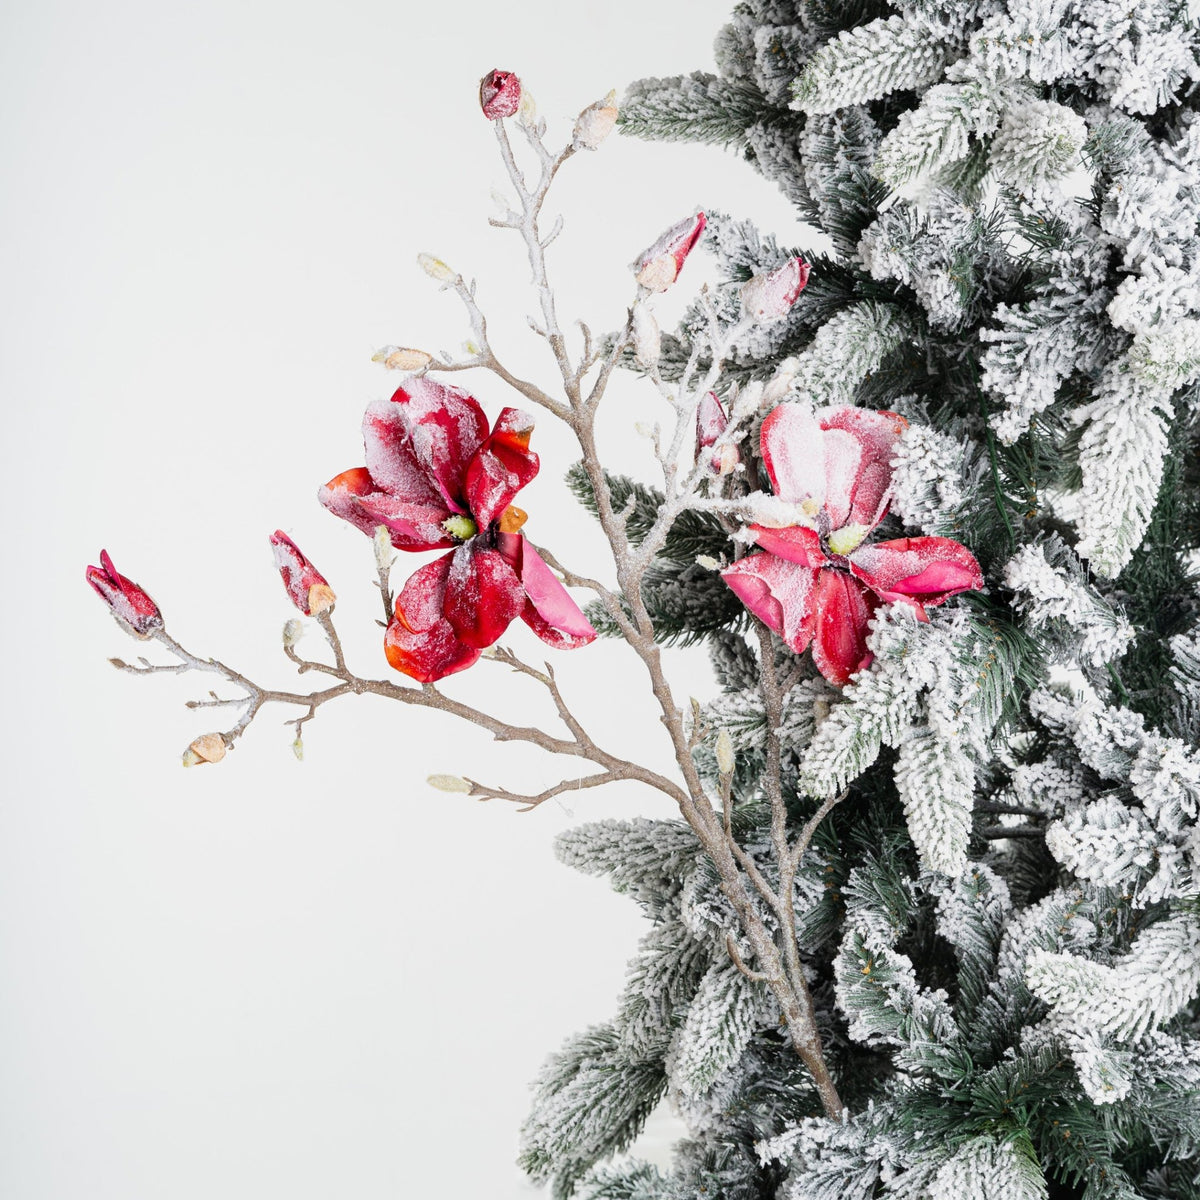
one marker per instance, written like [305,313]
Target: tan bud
[207,748]
[298,748]
[659,273]
[402,358]
[595,123]
[820,711]
[725,758]
[449,783]
[436,269]
[707,562]
[320,599]
[527,112]
[293,631]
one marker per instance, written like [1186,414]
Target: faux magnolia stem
[782,969]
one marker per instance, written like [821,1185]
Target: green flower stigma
[460,527]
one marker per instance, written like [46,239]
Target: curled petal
[860,497]
[501,467]
[130,604]
[410,525]
[549,610]
[793,451]
[420,642]
[420,442]
[796,543]
[843,611]
[341,493]
[306,586]
[779,593]
[920,570]
[483,594]
[769,296]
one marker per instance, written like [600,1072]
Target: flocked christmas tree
[928,925]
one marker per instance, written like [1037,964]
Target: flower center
[847,539]
[460,526]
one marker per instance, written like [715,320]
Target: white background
[270,978]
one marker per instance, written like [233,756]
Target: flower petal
[921,570]
[549,610]
[419,641]
[130,604]
[483,594]
[843,610]
[779,593]
[796,543]
[501,467]
[341,493]
[869,492]
[420,441]
[412,526]
[843,465]
[794,454]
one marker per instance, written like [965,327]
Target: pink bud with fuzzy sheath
[770,296]
[658,266]
[499,94]
[710,424]
[305,584]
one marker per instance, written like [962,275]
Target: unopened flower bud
[382,545]
[293,631]
[707,562]
[449,783]
[770,296]
[298,748]
[436,269]
[527,114]
[658,266]
[402,358]
[780,384]
[208,748]
[820,711]
[647,339]
[710,424]
[595,123]
[305,584]
[135,612]
[499,94]
[725,759]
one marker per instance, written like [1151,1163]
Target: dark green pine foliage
[1001,920]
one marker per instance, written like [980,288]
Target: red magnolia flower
[132,607]
[436,478]
[499,94]
[305,584]
[816,582]
[658,266]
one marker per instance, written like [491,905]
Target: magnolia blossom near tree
[928,922]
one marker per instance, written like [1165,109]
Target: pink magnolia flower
[306,586]
[818,582]
[437,478]
[770,296]
[499,94]
[129,603]
[658,266]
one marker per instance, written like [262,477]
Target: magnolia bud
[298,748]
[382,544]
[658,266]
[436,269]
[725,759]
[499,94]
[595,123]
[402,358]
[293,631]
[527,114]
[770,296]
[306,586]
[780,384]
[707,562]
[710,424]
[208,748]
[647,339]
[130,604]
[449,783]
[820,711]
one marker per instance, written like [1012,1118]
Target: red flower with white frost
[437,478]
[770,296]
[818,581]
[129,603]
